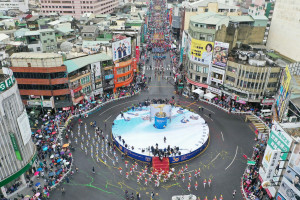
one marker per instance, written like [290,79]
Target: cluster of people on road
[251,185]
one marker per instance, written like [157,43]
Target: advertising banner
[282,100]
[24,126]
[4,85]
[137,53]
[220,54]
[201,51]
[121,49]
[15,146]
[96,68]
[290,184]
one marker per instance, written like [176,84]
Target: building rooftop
[89,29]
[45,30]
[78,63]
[35,55]
[210,18]
[64,30]
[243,18]
[33,18]
[262,17]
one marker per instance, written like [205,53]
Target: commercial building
[42,79]
[21,5]
[124,73]
[86,76]
[78,7]
[284,31]
[207,29]
[17,150]
[251,76]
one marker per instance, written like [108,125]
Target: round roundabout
[160,130]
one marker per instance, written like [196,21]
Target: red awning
[196,83]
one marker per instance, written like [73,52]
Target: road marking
[215,158]
[237,147]
[116,106]
[222,136]
[191,104]
[107,118]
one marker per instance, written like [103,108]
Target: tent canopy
[209,96]
[198,91]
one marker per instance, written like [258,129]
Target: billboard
[283,96]
[96,68]
[201,51]
[24,127]
[220,54]
[121,49]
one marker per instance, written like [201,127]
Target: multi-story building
[191,9]
[251,76]
[17,150]
[21,5]
[43,40]
[78,7]
[207,28]
[124,73]
[85,76]
[284,31]
[42,79]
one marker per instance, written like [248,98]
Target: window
[43,34]
[272,85]
[230,78]
[262,75]
[198,78]
[241,83]
[209,38]
[231,69]
[202,37]
[274,75]
[38,48]
[204,79]
[45,41]
[52,40]
[205,70]
[198,69]
[206,10]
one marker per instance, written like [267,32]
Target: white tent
[209,96]
[198,91]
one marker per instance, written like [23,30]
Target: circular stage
[136,135]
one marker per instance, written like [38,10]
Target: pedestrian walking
[233,194]
[63,190]
[152,195]
[93,170]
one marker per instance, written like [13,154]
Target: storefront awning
[198,91]
[209,96]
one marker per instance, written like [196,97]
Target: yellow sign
[201,51]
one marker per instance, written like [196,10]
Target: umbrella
[56,155]
[40,136]
[60,111]
[27,196]
[51,174]
[65,145]
[66,163]
[52,156]
[36,173]
[47,136]
[93,101]
[51,139]
[37,194]
[45,148]
[39,169]
[58,160]
[61,153]
[58,172]
[54,132]
[80,104]
[37,184]
[38,131]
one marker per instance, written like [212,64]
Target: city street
[230,138]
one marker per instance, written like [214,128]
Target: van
[266,113]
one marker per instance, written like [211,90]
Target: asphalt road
[230,138]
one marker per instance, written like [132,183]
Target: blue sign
[175,159]
[161,122]
[110,76]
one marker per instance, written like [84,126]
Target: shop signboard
[15,146]
[4,85]
[220,54]
[121,49]
[201,51]
[283,96]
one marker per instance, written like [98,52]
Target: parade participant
[189,187]
[174,177]
[127,175]
[204,183]
[183,178]
[186,167]
[130,170]
[209,182]
[196,185]
[126,164]
[146,181]
[199,171]
[138,179]
[190,177]
[196,172]
[120,169]
[221,197]
[215,198]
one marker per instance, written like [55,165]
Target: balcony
[78,76]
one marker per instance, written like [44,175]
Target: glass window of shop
[40,75]
[124,78]
[123,69]
[85,80]
[86,89]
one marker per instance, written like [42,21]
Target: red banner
[137,53]
[77,89]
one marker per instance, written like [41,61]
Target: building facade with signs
[17,150]
[86,76]
[124,73]
[42,79]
